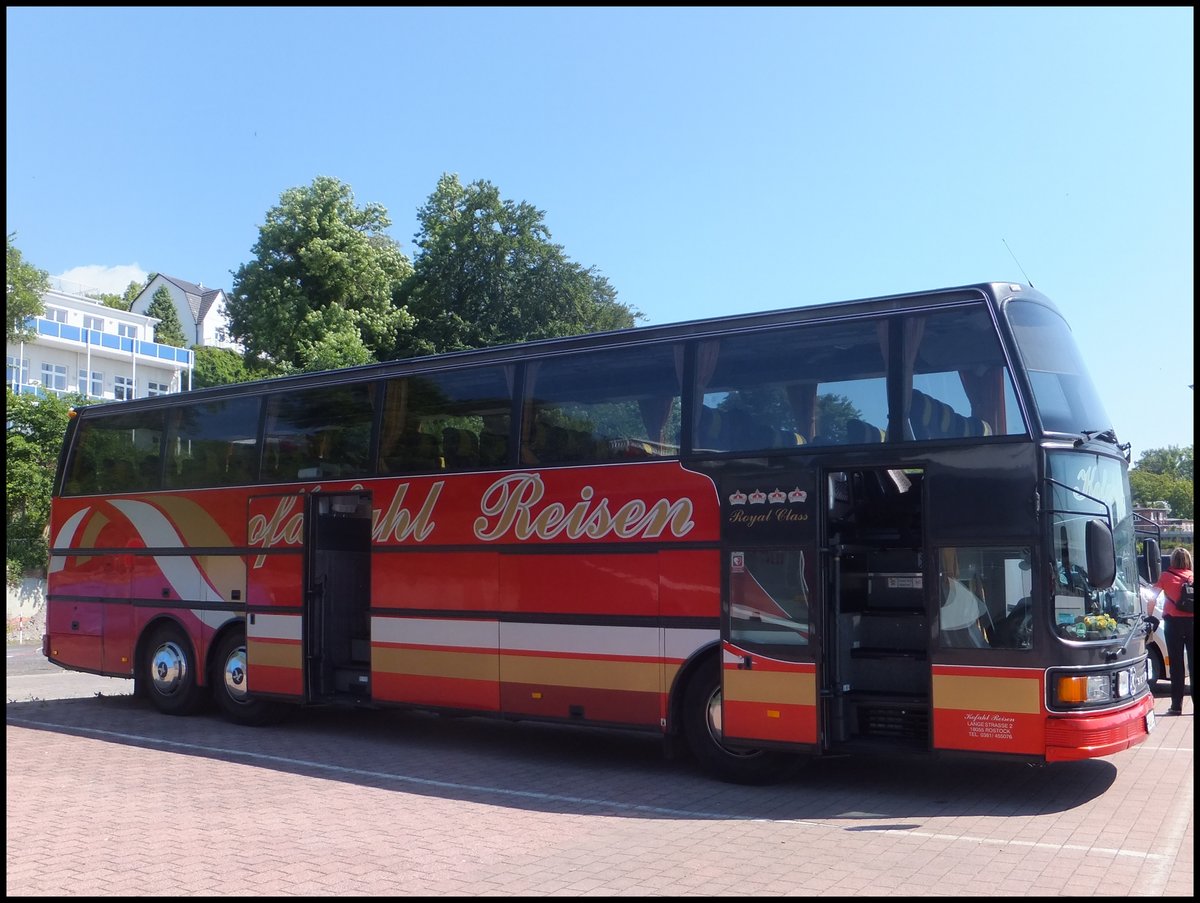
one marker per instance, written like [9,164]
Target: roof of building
[199,298]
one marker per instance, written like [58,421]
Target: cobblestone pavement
[106,797]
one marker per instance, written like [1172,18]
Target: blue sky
[705,160]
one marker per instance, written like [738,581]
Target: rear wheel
[702,726]
[169,671]
[229,684]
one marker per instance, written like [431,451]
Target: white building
[201,310]
[100,352]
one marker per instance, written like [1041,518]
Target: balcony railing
[54,330]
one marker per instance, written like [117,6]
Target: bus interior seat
[418,451]
[461,447]
[859,432]
[493,448]
[931,418]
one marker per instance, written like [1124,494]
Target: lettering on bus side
[508,507]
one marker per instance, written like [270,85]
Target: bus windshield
[1081,611]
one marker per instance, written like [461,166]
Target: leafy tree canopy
[125,300]
[23,296]
[487,273]
[1167,475]
[169,330]
[218,367]
[36,426]
[320,263]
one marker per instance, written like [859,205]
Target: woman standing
[1179,626]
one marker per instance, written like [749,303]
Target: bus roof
[992,292]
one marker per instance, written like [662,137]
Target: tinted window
[1066,399]
[120,452]
[452,420]
[617,405]
[213,444]
[318,433]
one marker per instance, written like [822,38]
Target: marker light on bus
[1084,688]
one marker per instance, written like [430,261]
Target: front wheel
[169,671]
[229,686]
[702,727]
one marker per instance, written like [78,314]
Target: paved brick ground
[106,797]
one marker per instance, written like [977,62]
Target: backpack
[1187,596]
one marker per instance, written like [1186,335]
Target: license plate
[1149,722]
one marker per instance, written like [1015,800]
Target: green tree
[321,263]
[36,426]
[23,296]
[169,330]
[487,273]
[1168,475]
[218,367]
[125,300]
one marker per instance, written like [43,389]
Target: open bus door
[875,675]
[308,596]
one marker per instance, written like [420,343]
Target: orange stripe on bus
[277,654]
[986,693]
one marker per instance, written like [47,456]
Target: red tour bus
[895,524]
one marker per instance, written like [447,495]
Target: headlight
[1071,690]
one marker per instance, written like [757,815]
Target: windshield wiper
[1107,435]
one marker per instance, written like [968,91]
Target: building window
[96,323]
[123,388]
[94,387]
[57,314]
[54,376]
[156,389]
[127,330]
[222,335]
[18,371]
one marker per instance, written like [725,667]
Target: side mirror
[1153,559]
[1101,554]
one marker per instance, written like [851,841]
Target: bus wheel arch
[228,680]
[700,717]
[167,670]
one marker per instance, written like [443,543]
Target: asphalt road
[107,797]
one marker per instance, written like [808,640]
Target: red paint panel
[106,576]
[75,629]
[436,580]
[1007,732]
[777,722]
[278,580]
[610,706]
[270,679]
[440,692]
[615,584]
[118,642]
[689,583]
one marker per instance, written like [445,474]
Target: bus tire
[229,684]
[169,672]
[702,727]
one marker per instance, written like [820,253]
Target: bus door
[337,601]
[308,595]
[769,607]
[275,584]
[875,635]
